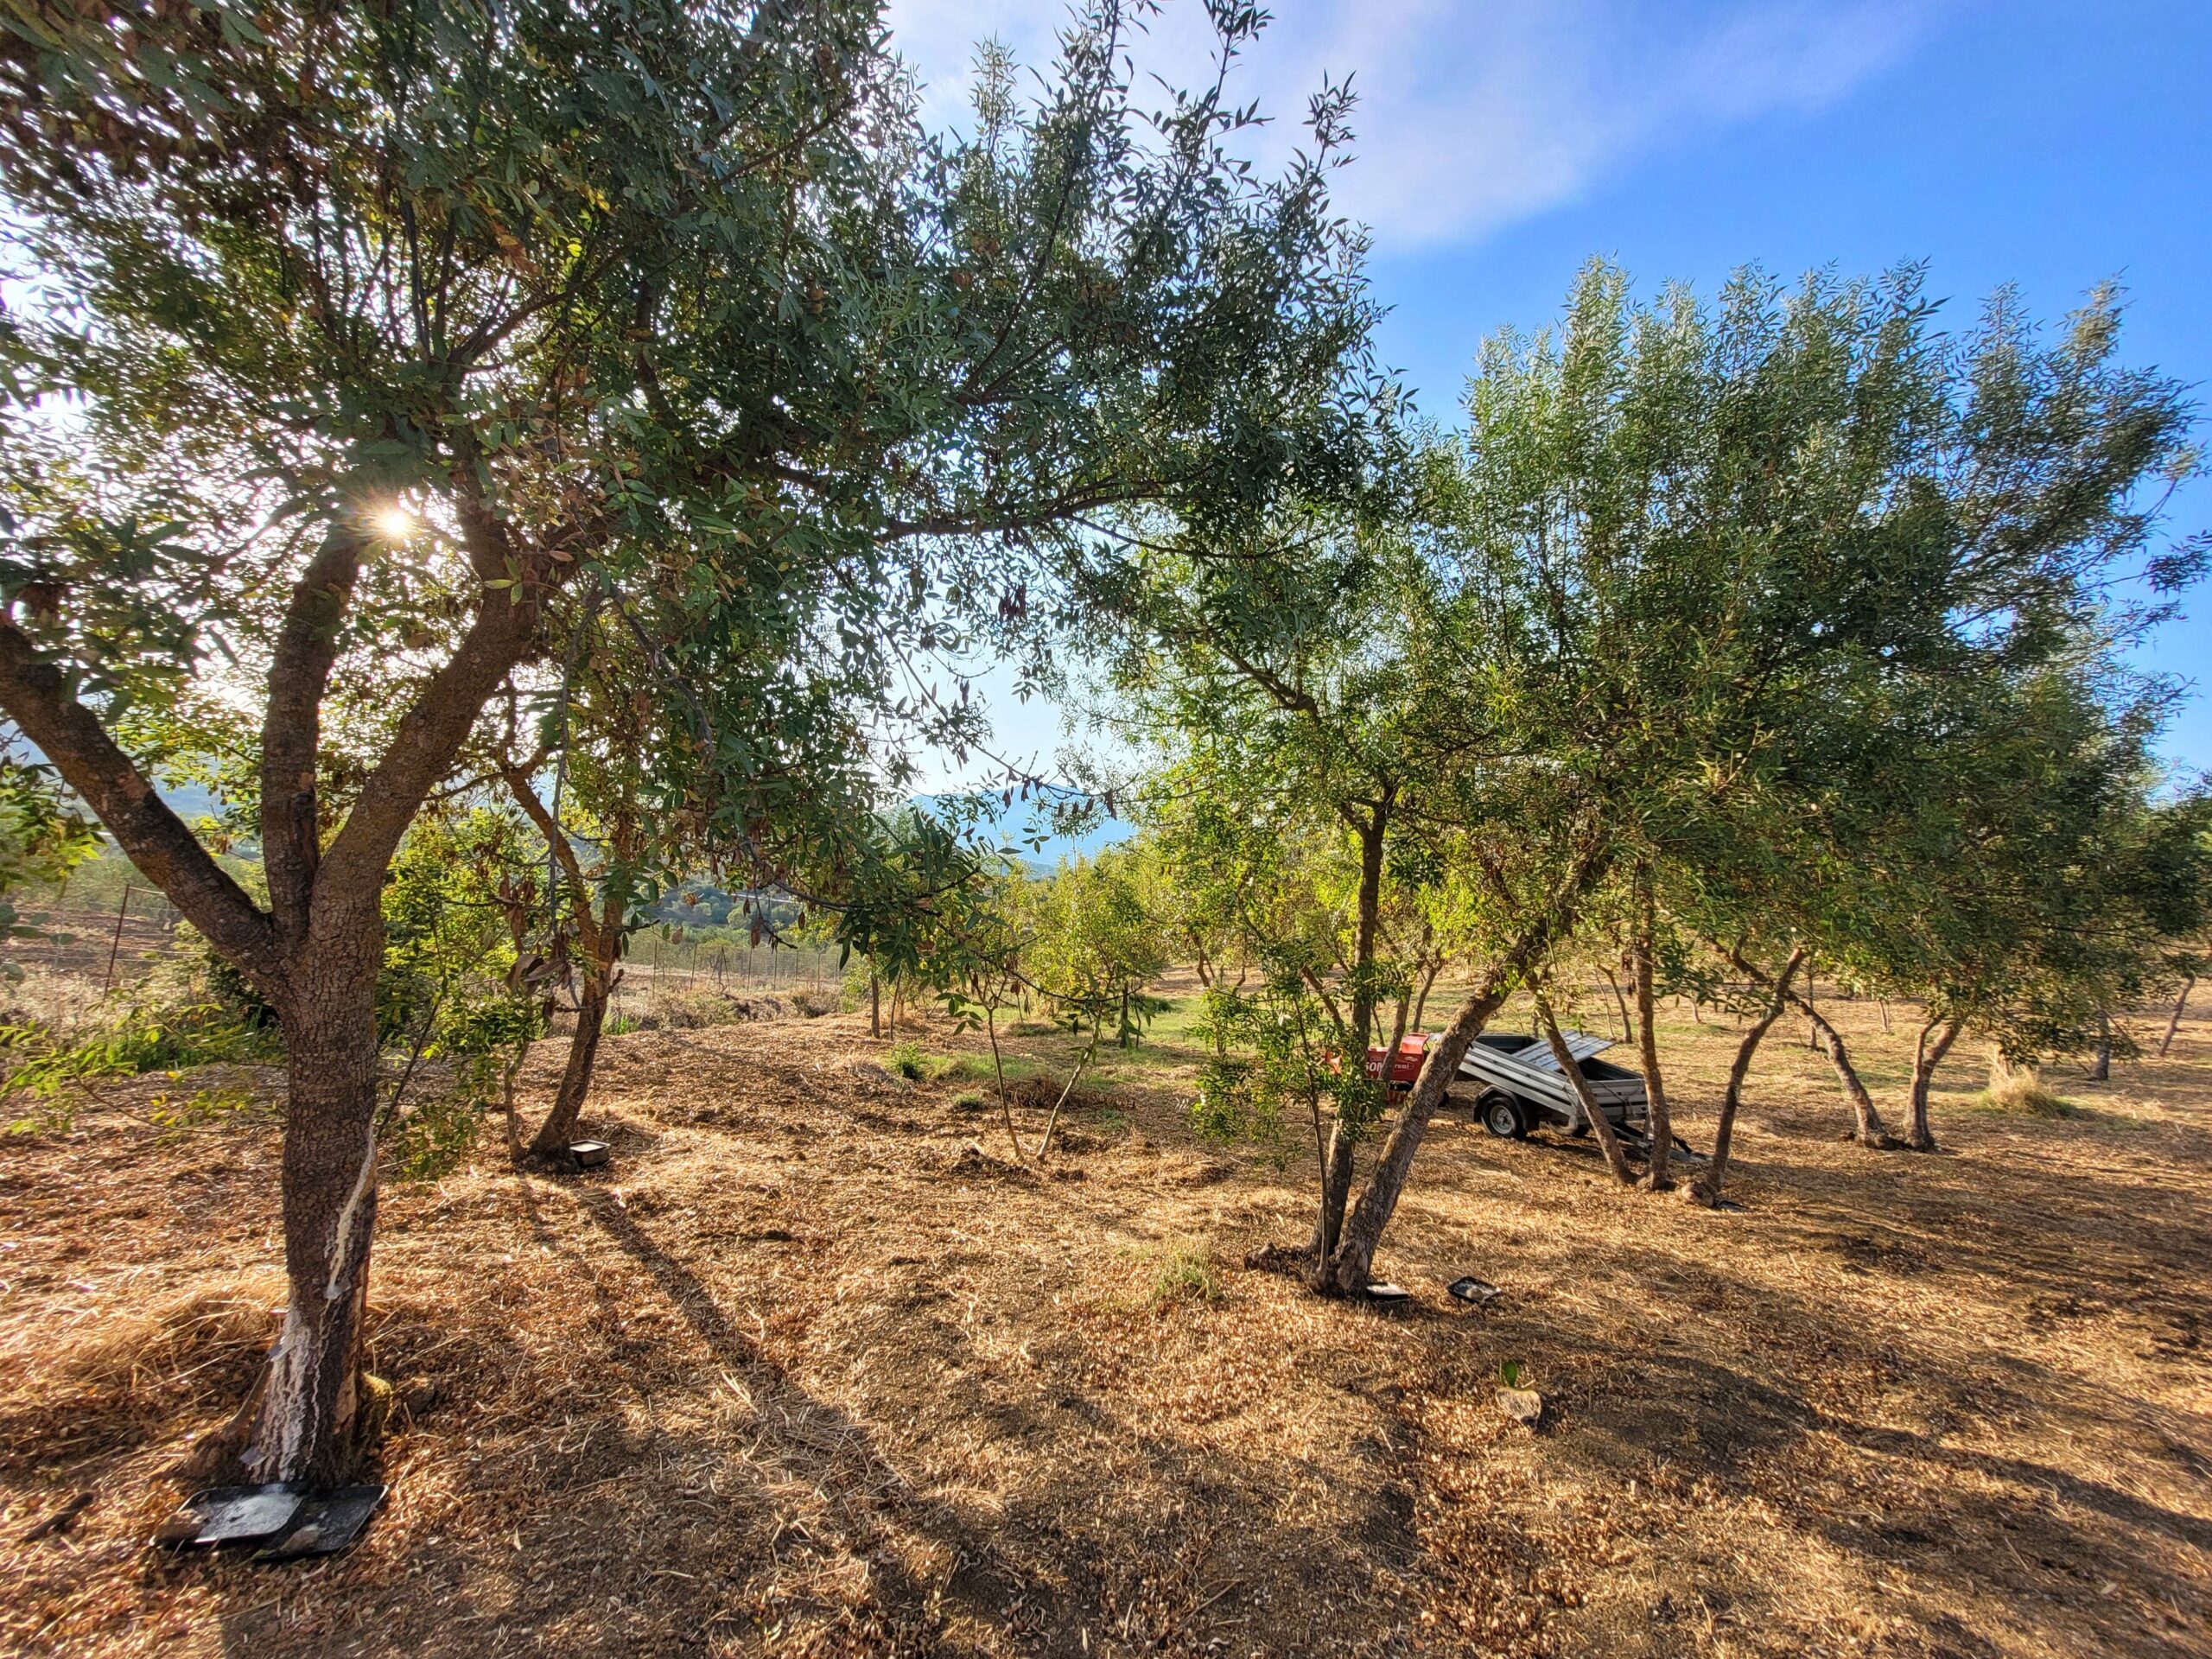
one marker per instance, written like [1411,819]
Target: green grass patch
[977,1068]
[1179,1271]
[2027,1096]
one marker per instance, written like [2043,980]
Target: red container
[1405,1065]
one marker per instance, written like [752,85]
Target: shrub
[906,1060]
[434,1137]
[49,1067]
[968,1100]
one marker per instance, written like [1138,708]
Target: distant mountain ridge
[1017,825]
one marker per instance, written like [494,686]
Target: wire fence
[112,941]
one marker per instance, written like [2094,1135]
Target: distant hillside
[1025,822]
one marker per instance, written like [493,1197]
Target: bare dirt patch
[815,1367]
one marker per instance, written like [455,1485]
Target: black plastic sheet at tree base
[286,1519]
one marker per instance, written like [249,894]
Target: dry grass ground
[805,1372]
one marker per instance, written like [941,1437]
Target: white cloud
[1475,113]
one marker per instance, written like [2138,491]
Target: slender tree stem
[2173,1024]
[1706,1188]
[1608,1142]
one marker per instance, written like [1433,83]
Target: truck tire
[1502,1117]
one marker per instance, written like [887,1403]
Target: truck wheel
[1502,1117]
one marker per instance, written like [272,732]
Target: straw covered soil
[813,1366]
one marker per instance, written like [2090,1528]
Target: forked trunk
[559,1129]
[1659,1123]
[1926,1057]
[306,1425]
[1868,1129]
[1352,1262]
[1620,1003]
[1335,1193]
[1706,1188]
[1343,1134]
[2188,983]
[1427,982]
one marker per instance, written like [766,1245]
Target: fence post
[115,944]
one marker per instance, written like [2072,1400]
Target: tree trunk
[560,1126]
[1352,1264]
[1353,1261]
[1620,1002]
[1601,1126]
[306,1425]
[1660,1124]
[2101,1066]
[1868,1129]
[997,1072]
[2188,983]
[1336,1192]
[1926,1057]
[1427,980]
[875,1001]
[1343,1134]
[1707,1187]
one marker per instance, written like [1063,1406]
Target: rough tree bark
[1352,1264]
[1608,1142]
[310,1406]
[1926,1057]
[314,952]
[1706,1189]
[1660,1122]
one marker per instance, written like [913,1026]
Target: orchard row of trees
[1726,643]
[594,447]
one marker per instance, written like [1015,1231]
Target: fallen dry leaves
[812,1368]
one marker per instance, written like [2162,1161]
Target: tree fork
[1354,1258]
[1926,1057]
[1868,1129]
[1706,1188]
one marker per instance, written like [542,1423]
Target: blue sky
[1503,143]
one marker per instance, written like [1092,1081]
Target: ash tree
[383,338]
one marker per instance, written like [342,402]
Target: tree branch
[291,729]
[36,696]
